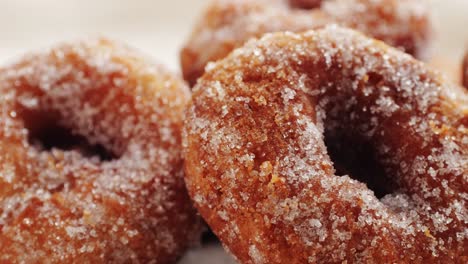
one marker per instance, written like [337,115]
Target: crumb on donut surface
[264,110]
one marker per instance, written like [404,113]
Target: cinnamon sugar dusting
[328,83]
[228,24]
[72,203]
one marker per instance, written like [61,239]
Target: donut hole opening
[305,4]
[357,159]
[46,133]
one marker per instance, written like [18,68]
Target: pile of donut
[311,134]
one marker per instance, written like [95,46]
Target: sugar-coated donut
[90,158]
[258,168]
[228,24]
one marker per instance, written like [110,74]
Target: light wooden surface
[159,28]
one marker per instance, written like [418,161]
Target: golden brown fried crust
[68,205]
[228,24]
[258,170]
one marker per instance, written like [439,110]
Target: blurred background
[159,28]
[155,26]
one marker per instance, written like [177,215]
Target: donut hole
[356,158]
[305,4]
[46,133]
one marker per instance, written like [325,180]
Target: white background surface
[159,28]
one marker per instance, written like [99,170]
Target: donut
[91,167]
[260,141]
[228,24]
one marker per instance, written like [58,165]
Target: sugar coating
[61,206]
[258,167]
[227,24]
